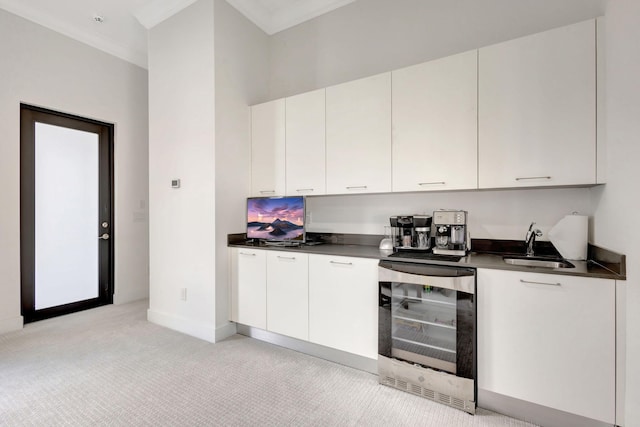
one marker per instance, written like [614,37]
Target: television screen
[275,218]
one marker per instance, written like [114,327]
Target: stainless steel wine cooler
[427,331]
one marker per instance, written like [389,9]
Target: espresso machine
[450,232]
[411,232]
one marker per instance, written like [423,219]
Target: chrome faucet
[530,238]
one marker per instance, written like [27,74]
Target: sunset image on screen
[275,218]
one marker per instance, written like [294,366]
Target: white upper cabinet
[305,135]
[359,136]
[268,149]
[435,125]
[537,109]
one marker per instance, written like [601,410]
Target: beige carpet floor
[110,367]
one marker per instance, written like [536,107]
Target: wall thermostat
[175,183]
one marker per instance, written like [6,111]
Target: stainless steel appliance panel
[427,329]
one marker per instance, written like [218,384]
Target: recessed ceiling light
[98,18]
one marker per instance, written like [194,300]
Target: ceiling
[119,27]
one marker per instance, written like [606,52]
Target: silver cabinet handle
[522,178]
[341,263]
[246,254]
[286,257]
[431,183]
[540,283]
[357,187]
[267,191]
[104,236]
[304,189]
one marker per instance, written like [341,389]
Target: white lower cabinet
[327,300]
[548,339]
[249,287]
[343,303]
[288,294]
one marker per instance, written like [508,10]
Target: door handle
[432,183]
[540,283]
[522,178]
[105,236]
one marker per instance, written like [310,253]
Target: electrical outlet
[183,294]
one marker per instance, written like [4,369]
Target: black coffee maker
[411,232]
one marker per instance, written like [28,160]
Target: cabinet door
[305,154]
[288,294]
[249,287]
[359,136]
[537,109]
[548,339]
[434,119]
[268,148]
[343,298]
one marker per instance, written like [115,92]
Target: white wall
[44,68]
[207,64]
[242,59]
[617,204]
[369,37]
[182,146]
[502,214]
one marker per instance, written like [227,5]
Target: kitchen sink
[538,262]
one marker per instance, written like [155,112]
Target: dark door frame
[29,115]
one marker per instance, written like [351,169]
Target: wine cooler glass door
[423,325]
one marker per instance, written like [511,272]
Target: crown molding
[286,17]
[154,12]
[24,10]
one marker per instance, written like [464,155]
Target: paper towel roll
[569,236]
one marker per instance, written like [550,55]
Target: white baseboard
[11,324]
[204,331]
[533,413]
[225,331]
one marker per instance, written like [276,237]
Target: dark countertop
[359,248]
[358,251]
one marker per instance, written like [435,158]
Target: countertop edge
[591,269]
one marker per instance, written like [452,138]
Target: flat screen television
[276,219]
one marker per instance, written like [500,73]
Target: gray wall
[617,203]
[242,60]
[44,68]
[368,37]
[207,64]
[182,145]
